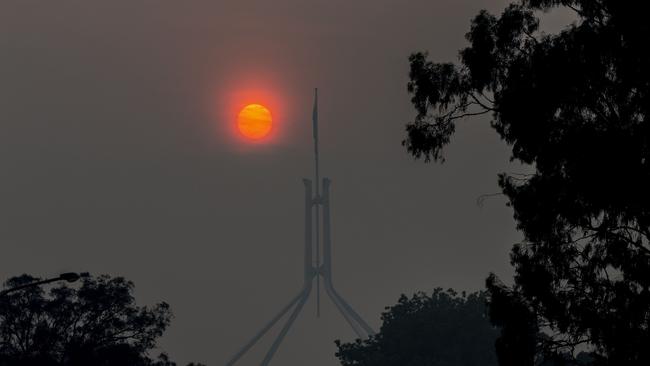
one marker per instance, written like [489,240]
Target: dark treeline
[444,328]
[96,323]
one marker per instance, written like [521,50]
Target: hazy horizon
[118,157]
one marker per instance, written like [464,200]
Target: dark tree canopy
[97,323]
[574,107]
[443,329]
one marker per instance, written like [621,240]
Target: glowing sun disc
[254,121]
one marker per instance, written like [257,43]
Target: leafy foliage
[95,324]
[573,106]
[442,329]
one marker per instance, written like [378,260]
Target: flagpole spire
[315,132]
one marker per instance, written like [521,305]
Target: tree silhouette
[438,330]
[97,323]
[574,107]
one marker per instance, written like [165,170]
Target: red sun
[254,121]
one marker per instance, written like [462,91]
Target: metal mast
[313,268]
[317,180]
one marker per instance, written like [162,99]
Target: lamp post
[68,277]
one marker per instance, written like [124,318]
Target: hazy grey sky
[117,157]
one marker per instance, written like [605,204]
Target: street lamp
[68,277]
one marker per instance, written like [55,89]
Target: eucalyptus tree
[573,106]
